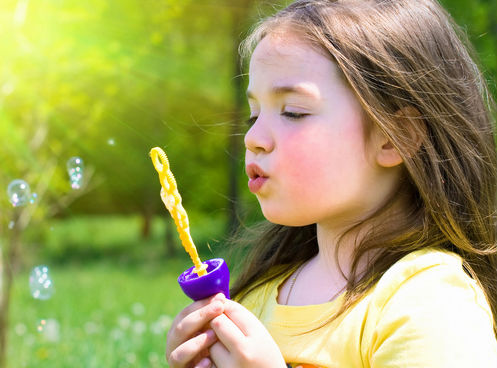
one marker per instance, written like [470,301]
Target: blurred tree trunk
[146,223]
[9,261]
[170,238]
[241,9]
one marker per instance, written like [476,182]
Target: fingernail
[220,297]
[204,363]
[210,334]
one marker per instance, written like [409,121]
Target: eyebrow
[283,90]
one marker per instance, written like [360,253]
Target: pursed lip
[257,177]
[254,171]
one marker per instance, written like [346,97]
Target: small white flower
[124,321]
[138,309]
[139,327]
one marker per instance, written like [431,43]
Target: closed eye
[293,115]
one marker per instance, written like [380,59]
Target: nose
[258,138]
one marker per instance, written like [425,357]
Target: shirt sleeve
[437,317]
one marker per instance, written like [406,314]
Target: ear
[386,154]
[411,127]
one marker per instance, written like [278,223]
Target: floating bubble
[40,283]
[75,168]
[11,225]
[111,142]
[33,198]
[19,192]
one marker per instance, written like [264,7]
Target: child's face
[308,139]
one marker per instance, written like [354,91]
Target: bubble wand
[204,278]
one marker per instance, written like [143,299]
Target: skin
[308,136]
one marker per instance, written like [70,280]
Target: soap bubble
[11,225]
[75,168]
[111,142]
[19,192]
[40,283]
[33,198]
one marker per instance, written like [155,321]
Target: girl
[371,152]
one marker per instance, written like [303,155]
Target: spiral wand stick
[172,200]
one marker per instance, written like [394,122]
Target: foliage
[80,239]
[479,19]
[109,80]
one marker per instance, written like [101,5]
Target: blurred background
[88,254]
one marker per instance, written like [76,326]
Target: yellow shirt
[424,312]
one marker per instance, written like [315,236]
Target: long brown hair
[401,56]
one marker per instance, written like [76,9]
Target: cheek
[333,154]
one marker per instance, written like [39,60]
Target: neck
[337,246]
[337,264]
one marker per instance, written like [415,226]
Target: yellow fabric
[424,312]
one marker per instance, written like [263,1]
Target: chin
[286,219]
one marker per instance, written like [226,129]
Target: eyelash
[287,114]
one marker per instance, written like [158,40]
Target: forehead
[287,58]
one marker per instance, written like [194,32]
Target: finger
[241,317]
[197,305]
[186,352]
[219,355]
[204,363]
[227,331]
[193,322]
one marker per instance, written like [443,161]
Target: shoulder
[426,311]
[430,274]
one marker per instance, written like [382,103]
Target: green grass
[101,315]
[115,293]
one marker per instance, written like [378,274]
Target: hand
[243,340]
[189,336]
